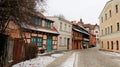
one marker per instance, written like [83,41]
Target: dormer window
[48,24]
[37,21]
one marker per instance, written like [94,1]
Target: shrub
[31,51]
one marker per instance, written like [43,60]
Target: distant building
[90,28]
[64,27]
[80,36]
[110,26]
[96,32]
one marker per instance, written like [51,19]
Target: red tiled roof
[90,26]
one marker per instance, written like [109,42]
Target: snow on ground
[56,55]
[110,53]
[69,62]
[40,61]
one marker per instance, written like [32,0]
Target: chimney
[80,20]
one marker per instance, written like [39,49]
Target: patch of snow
[110,53]
[69,62]
[41,61]
[76,60]
[117,60]
[56,55]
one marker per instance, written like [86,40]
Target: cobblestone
[93,58]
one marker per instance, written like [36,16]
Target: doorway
[68,43]
[49,43]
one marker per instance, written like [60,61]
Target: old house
[40,32]
[80,36]
[110,26]
[64,27]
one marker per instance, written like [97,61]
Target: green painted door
[49,43]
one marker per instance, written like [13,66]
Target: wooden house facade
[80,37]
[40,32]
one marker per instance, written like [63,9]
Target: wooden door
[49,43]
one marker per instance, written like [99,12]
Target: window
[111,29]
[69,29]
[60,40]
[105,16]
[33,40]
[102,19]
[60,25]
[110,13]
[108,30]
[37,21]
[47,24]
[116,7]
[118,27]
[105,30]
[64,41]
[96,31]
[37,40]
[102,44]
[111,44]
[65,27]
[102,32]
[108,44]
[117,45]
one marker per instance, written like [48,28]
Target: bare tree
[60,16]
[19,11]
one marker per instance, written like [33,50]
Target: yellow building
[110,26]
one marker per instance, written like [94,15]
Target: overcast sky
[88,10]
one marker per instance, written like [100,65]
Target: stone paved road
[92,57]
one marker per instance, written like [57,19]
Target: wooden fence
[11,50]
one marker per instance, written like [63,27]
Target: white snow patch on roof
[38,29]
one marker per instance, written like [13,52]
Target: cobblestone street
[90,57]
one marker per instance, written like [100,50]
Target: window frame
[116,8]
[36,41]
[112,45]
[117,45]
[60,25]
[48,24]
[110,13]
[118,26]
[108,44]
